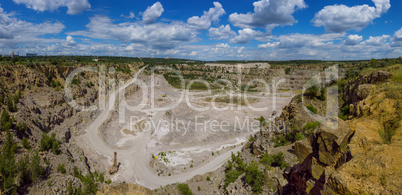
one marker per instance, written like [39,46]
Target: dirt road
[134,161]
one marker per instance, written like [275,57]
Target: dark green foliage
[280,140]
[344,112]
[54,83]
[208,178]
[7,164]
[287,70]
[352,72]
[90,187]
[298,136]
[25,143]
[10,168]
[61,169]
[70,189]
[184,189]
[76,81]
[254,177]
[251,139]
[6,122]
[274,160]
[323,94]
[261,120]
[311,125]
[235,168]
[312,91]
[10,105]
[47,143]
[312,109]
[37,170]
[22,127]
[231,176]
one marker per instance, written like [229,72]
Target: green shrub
[90,187]
[312,91]
[208,178]
[311,125]
[231,176]
[47,143]
[199,188]
[6,121]
[280,140]
[251,139]
[312,109]
[254,177]
[25,143]
[61,169]
[323,94]
[287,70]
[22,127]
[184,189]
[75,81]
[344,115]
[10,105]
[274,160]
[298,136]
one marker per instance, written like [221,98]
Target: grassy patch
[312,109]
[344,112]
[280,140]
[274,160]
[184,189]
[311,125]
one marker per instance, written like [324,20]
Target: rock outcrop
[319,157]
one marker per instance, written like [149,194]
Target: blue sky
[205,30]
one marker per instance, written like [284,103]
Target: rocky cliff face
[355,158]
[320,156]
[43,107]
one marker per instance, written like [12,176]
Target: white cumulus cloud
[397,39]
[74,6]
[157,35]
[152,13]
[377,40]
[341,18]
[245,36]
[15,32]
[353,40]
[204,22]
[222,32]
[268,14]
[70,41]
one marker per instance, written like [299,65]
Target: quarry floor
[166,135]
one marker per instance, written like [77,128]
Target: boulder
[364,90]
[303,149]
[320,156]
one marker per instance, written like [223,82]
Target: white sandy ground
[135,151]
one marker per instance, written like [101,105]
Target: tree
[10,105]
[5,120]
[254,177]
